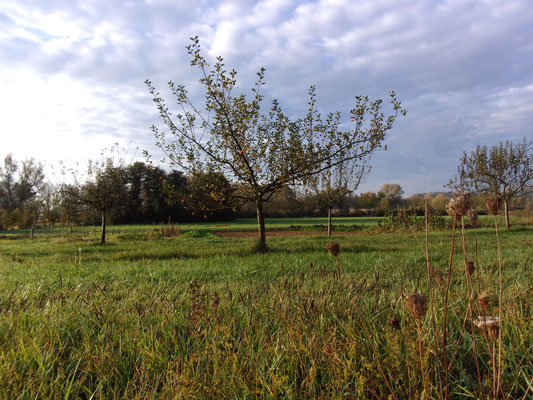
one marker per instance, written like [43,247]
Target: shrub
[404,219]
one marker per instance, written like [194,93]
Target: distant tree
[504,171]
[174,189]
[11,219]
[152,196]
[33,210]
[284,203]
[70,207]
[208,195]
[439,202]
[19,183]
[262,152]
[368,200]
[135,176]
[335,183]
[50,200]
[350,204]
[103,191]
[416,202]
[384,205]
[392,192]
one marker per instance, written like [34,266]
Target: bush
[404,219]
[15,219]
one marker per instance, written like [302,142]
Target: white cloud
[73,70]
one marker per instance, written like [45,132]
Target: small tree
[70,206]
[33,209]
[334,184]
[262,152]
[104,190]
[504,171]
[50,205]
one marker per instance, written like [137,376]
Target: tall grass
[199,316]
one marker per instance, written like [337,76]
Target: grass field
[241,224]
[200,316]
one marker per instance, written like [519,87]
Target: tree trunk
[261,245]
[102,241]
[329,222]
[33,225]
[506,206]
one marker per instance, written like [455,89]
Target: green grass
[240,224]
[200,316]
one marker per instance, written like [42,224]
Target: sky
[72,72]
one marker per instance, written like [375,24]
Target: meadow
[200,316]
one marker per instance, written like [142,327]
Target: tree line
[140,193]
[109,192]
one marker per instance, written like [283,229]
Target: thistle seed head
[333,249]
[472,215]
[328,349]
[470,267]
[486,300]
[394,322]
[493,204]
[459,204]
[494,331]
[416,303]
[491,324]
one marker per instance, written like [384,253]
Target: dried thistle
[214,303]
[417,305]
[328,349]
[394,322]
[470,267]
[472,216]
[493,204]
[494,331]
[333,249]
[486,300]
[196,310]
[459,204]
[491,324]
